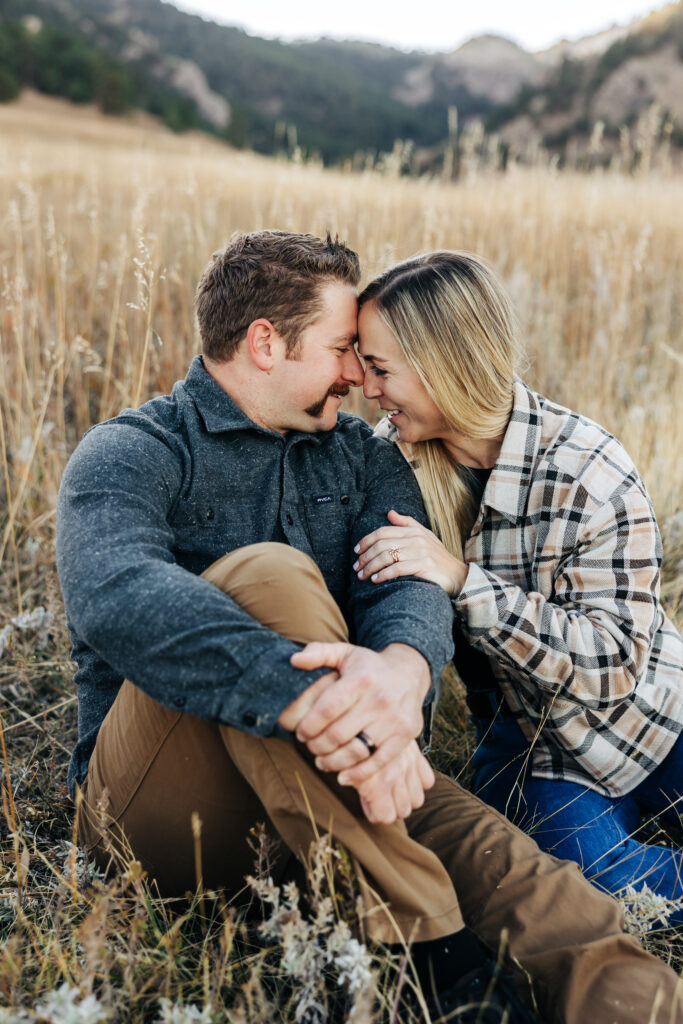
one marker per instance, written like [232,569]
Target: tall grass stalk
[106,227]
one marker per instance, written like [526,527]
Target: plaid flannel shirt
[562,595]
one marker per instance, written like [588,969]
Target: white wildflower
[65,1006]
[23,450]
[176,1013]
[352,961]
[318,948]
[32,550]
[643,909]
[74,859]
[37,621]
[6,634]
[8,1016]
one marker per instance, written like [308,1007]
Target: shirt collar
[220,412]
[508,485]
[215,406]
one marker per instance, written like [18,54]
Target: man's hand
[294,712]
[395,791]
[378,694]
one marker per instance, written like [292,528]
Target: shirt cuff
[264,690]
[478,600]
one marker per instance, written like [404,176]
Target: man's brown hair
[272,274]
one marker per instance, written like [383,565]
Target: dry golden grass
[106,226]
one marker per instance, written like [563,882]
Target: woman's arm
[588,640]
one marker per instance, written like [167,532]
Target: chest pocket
[205,532]
[329,521]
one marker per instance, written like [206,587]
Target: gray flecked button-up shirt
[151,498]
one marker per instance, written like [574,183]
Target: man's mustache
[340,390]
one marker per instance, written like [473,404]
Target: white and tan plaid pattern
[562,595]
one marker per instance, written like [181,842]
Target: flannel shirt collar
[508,486]
[220,413]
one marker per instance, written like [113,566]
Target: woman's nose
[353,369]
[371,387]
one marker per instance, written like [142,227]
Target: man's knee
[256,562]
[282,588]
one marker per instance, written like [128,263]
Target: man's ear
[263,344]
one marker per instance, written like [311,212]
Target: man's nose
[353,369]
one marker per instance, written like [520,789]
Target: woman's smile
[391,379]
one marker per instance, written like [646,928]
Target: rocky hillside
[611,88]
[334,98]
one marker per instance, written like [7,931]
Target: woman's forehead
[375,340]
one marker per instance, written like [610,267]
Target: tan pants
[454,861]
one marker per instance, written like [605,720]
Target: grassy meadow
[105,228]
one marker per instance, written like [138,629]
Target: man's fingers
[379,810]
[332,705]
[343,757]
[364,770]
[425,772]
[342,730]
[294,712]
[319,655]
[396,791]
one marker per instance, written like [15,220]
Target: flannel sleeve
[589,640]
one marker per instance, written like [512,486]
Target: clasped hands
[380,694]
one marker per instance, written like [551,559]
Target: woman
[545,537]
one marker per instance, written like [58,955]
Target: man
[202,541]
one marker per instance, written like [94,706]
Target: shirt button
[249,718]
[345,499]
[179,702]
[290,521]
[210,513]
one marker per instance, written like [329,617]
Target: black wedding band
[367,741]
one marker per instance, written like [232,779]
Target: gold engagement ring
[395,554]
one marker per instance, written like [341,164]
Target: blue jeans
[576,823]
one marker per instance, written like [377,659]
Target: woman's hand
[420,553]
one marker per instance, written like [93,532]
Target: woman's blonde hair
[456,327]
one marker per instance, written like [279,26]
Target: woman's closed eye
[376,370]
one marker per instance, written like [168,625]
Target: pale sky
[423,24]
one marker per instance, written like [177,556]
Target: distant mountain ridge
[339,98]
[604,90]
